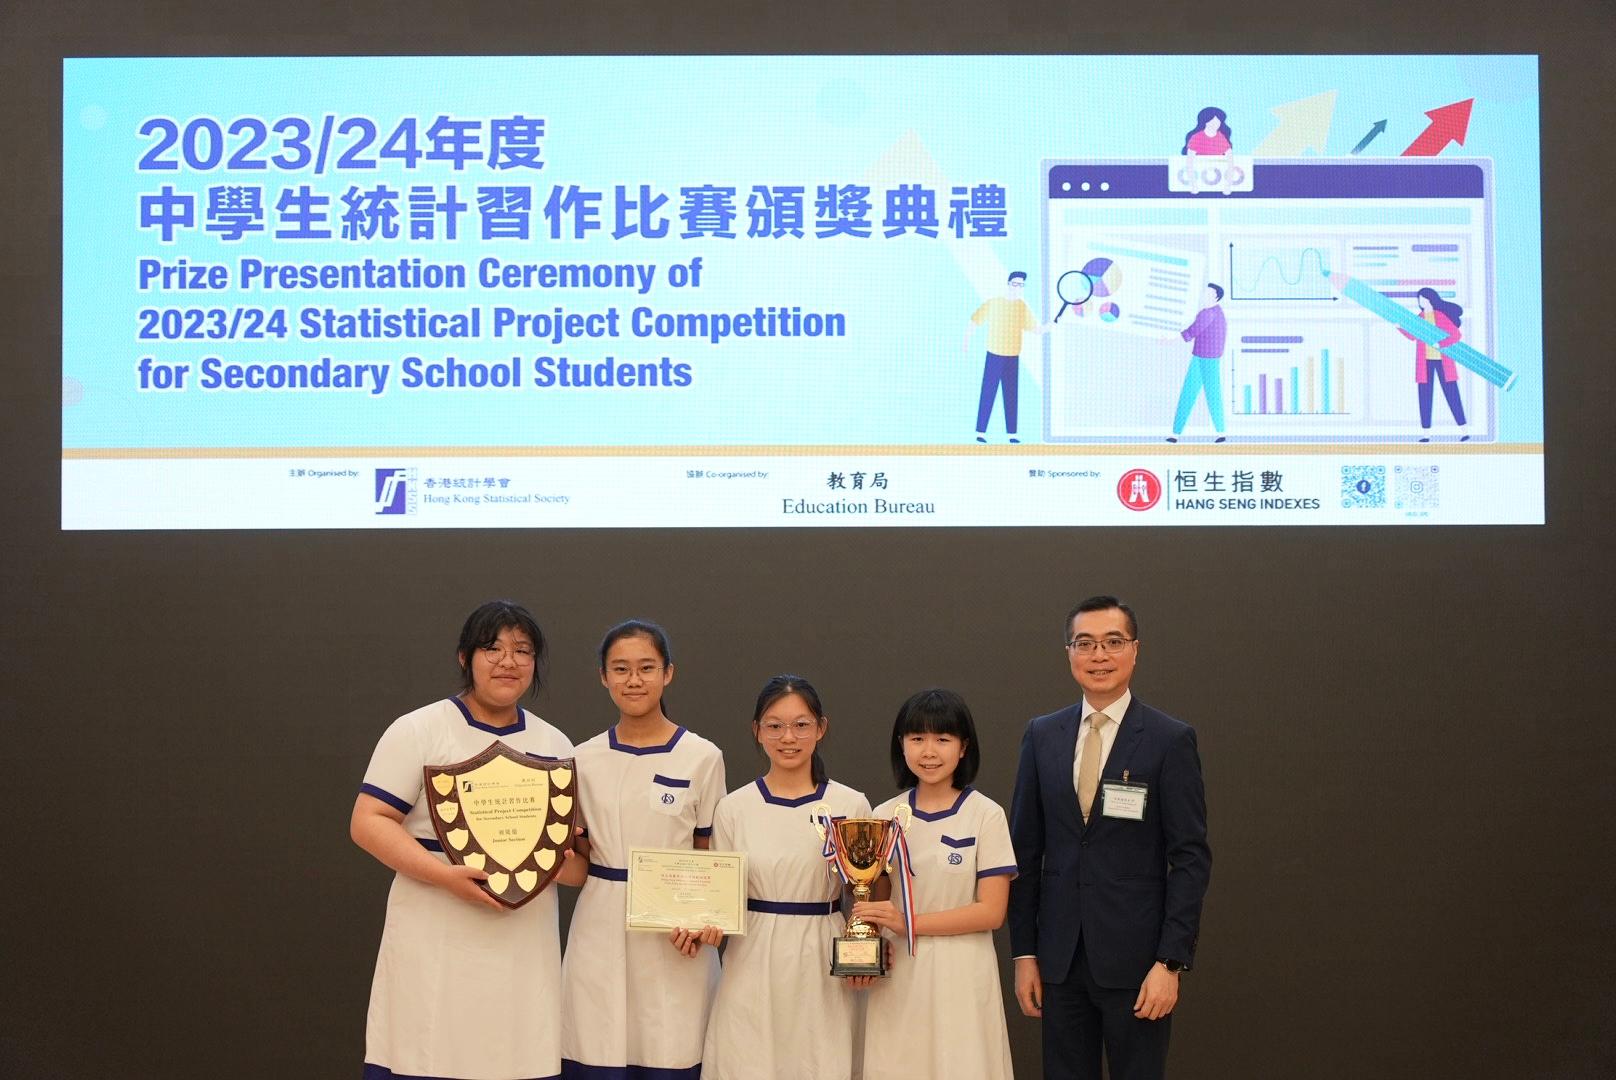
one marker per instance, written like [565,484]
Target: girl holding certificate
[779,1012]
[458,973]
[635,1004]
[941,1015]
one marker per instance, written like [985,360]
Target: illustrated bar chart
[1313,384]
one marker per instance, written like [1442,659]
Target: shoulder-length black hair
[782,686]
[482,630]
[935,712]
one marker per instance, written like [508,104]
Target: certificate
[686,888]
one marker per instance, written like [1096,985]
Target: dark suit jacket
[1132,889]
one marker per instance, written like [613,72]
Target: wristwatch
[1177,967]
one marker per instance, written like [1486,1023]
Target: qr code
[1419,487]
[1363,487]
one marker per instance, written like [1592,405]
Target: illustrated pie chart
[1105,274]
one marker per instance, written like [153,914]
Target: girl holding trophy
[635,1004]
[941,1015]
[779,1013]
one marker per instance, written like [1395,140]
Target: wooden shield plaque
[506,814]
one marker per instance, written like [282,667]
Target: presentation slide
[621,292]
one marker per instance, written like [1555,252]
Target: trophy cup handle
[821,814]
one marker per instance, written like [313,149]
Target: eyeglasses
[622,672]
[1113,643]
[774,730]
[521,656]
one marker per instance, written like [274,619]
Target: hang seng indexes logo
[1139,489]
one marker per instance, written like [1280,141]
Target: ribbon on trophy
[894,854]
[830,849]
[903,872]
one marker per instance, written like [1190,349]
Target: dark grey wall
[1405,732]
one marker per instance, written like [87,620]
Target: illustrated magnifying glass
[1073,287]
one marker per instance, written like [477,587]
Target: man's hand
[1158,995]
[1029,987]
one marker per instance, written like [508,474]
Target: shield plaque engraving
[507,814]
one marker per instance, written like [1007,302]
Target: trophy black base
[853,956]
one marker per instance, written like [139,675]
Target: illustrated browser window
[1329,270]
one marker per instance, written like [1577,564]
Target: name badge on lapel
[1124,800]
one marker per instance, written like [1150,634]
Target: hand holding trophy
[861,850]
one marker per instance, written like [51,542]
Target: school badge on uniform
[507,814]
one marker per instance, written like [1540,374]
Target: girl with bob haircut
[457,972]
[634,1005]
[959,842]
[779,1011]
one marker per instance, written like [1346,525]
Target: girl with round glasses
[779,1012]
[635,1004]
[457,972]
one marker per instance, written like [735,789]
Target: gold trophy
[861,847]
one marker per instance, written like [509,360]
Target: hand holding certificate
[671,889]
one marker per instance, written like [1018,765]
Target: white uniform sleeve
[555,744]
[994,854]
[709,790]
[724,826]
[394,775]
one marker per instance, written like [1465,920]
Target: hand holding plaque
[506,814]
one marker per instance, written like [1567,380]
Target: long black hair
[1204,117]
[1447,307]
[782,686]
[637,628]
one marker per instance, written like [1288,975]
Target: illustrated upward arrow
[1380,126]
[1303,125]
[1448,124]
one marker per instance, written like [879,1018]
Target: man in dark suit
[1109,824]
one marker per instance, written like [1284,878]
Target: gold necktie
[1088,766]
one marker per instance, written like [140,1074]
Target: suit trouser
[1081,1017]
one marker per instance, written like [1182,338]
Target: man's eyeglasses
[1113,643]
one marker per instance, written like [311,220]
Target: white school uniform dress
[780,1014]
[632,1007]
[461,992]
[940,1013]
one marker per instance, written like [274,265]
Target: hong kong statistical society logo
[1139,489]
[395,491]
